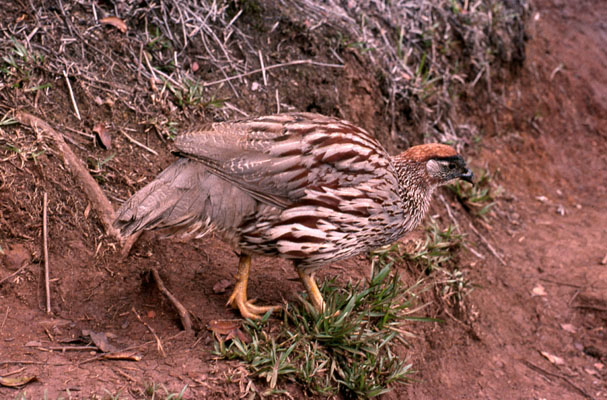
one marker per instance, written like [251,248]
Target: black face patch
[456,159]
[453,167]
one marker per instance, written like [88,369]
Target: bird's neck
[415,190]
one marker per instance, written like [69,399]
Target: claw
[238,298]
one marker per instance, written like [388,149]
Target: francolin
[301,186]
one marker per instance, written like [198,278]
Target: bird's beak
[468,176]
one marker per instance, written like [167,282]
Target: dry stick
[26,362]
[124,374]
[277,102]
[69,348]
[491,249]
[442,199]
[13,274]
[184,314]
[5,317]
[263,69]
[47,285]
[100,203]
[69,87]
[143,146]
[470,249]
[563,377]
[13,372]
[158,342]
[255,71]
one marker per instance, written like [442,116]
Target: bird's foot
[312,288]
[247,308]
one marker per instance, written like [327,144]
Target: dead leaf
[33,344]
[151,314]
[556,360]
[568,327]
[100,340]
[228,327]
[538,291]
[221,286]
[103,136]
[17,380]
[599,366]
[123,356]
[590,371]
[115,22]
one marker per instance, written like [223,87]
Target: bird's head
[441,162]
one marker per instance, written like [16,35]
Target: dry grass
[426,53]
[429,51]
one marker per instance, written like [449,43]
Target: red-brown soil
[548,140]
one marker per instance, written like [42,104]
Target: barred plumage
[302,186]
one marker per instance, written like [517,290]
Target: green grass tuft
[350,348]
[480,197]
[436,255]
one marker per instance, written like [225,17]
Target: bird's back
[303,186]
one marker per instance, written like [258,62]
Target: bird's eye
[452,165]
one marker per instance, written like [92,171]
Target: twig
[281,65]
[591,307]
[69,348]
[263,68]
[561,283]
[158,342]
[462,323]
[124,374]
[604,260]
[94,193]
[13,372]
[69,87]
[184,314]
[5,317]
[442,199]
[13,274]
[277,102]
[135,142]
[452,217]
[47,285]
[491,249]
[563,377]
[26,362]
[474,252]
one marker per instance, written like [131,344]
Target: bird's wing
[277,159]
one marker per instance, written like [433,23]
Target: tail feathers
[185,200]
[173,200]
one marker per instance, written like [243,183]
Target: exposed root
[93,191]
[184,314]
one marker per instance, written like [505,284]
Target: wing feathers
[272,158]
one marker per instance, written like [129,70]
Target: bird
[306,187]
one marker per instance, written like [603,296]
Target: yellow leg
[238,299]
[310,284]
